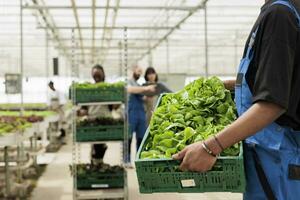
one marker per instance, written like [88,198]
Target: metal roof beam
[175,46]
[191,46]
[115,53]
[111,39]
[105,25]
[100,48]
[182,21]
[177,8]
[114,28]
[77,25]
[141,16]
[49,22]
[110,31]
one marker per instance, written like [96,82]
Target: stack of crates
[99,133]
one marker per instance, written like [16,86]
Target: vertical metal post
[206,41]
[126,142]
[74,113]
[120,60]
[21,56]
[35,149]
[7,176]
[47,59]
[19,175]
[73,71]
[79,152]
[126,137]
[168,47]
[20,146]
[78,61]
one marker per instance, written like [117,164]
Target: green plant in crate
[100,85]
[104,121]
[201,109]
[84,169]
[99,129]
[88,92]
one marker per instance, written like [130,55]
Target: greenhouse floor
[56,182]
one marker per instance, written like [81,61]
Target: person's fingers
[192,169]
[150,88]
[153,88]
[176,156]
[180,155]
[184,166]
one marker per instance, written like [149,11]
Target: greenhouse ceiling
[159,32]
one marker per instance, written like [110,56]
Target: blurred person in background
[151,78]
[268,104]
[55,104]
[136,110]
[92,112]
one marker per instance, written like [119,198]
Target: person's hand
[150,88]
[82,112]
[229,84]
[195,158]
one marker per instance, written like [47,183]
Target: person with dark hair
[151,75]
[92,112]
[98,150]
[98,73]
[151,78]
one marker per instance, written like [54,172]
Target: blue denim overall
[137,115]
[276,146]
[137,121]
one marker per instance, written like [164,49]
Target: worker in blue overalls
[267,96]
[136,110]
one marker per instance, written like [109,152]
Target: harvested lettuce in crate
[202,109]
